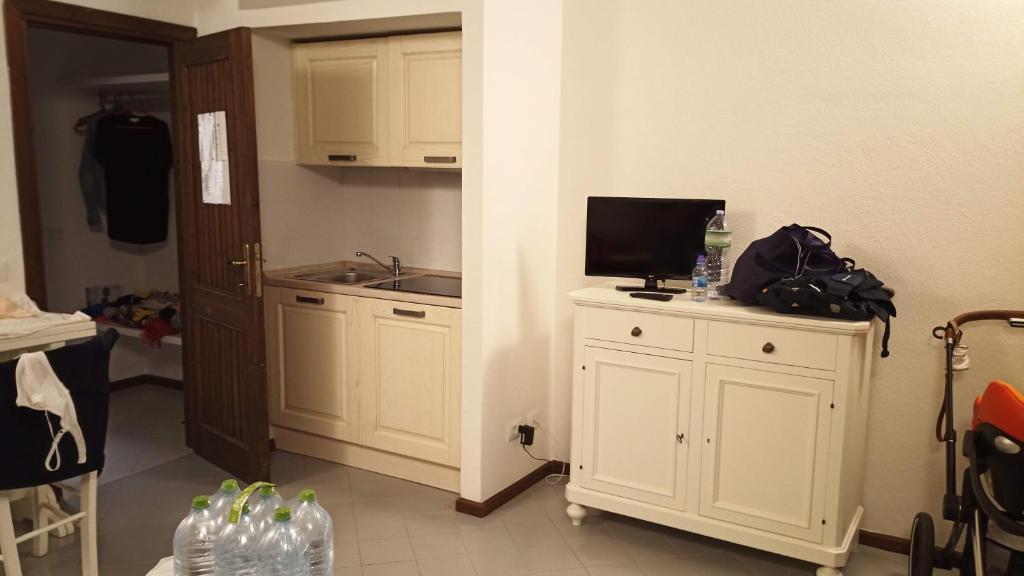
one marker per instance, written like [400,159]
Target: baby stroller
[991,506]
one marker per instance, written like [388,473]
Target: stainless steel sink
[349,277]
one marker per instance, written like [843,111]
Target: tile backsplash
[312,215]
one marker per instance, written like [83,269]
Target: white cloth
[40,389]
[36,319]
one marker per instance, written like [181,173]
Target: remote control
[652,296]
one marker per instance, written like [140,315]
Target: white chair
[45,516]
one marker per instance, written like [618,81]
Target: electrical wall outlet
[512,429]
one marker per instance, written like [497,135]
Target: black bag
[848,295]
[790,252]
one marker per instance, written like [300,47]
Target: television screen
[646,237]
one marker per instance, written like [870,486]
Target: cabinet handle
[768,348]
[341,157]
[439,159]
[309,300]
[680,438]
[636,332]
[410,313]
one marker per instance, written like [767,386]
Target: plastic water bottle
[234,554]
[194,540]
[315,525]
[717,240]
[267,500]
[220,503]
[282,550]
[700,280]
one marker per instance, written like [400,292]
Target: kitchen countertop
[287,278]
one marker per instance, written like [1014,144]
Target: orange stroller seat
[999,432]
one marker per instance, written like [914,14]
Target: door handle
[680,438]
[410,313]
[439,159]
[341,157]
[244,263]
[309,300]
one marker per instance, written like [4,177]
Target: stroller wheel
[922,545]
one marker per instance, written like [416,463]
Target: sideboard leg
[576,513]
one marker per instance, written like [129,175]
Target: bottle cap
[245,509]
[307,495]
[701,259]
[267,491]
[283,514]
[200,502]
[230,485]
[719,211]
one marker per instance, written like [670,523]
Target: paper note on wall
[213,157]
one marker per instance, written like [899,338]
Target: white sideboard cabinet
[733,422]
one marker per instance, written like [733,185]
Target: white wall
[521,68]
[896,126]
[312,215]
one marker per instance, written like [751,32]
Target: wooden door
[766,438]
[636,412]
[410,379]
[426,100]
[341,102]
[312,362]
[224,354]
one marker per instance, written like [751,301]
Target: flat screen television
[649,238]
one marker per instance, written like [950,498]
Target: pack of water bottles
[227,535]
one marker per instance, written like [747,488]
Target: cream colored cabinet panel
[410,379]
[311,362]
[766,438]
[638,328]
[773,344]
[635,425]
[426,99]
[341,102]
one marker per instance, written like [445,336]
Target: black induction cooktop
[435,285]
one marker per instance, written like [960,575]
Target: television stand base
[662,290]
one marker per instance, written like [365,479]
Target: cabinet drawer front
[775,345]
[641,329]
[314,300]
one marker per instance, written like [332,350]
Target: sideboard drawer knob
[768,348]
[636,331]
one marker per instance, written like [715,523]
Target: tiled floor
[389,527]
[144,430]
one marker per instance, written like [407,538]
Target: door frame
[19,16]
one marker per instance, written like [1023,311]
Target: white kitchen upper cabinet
[426,99]
[311,362]
[766,438]
[635,425]
[410,379]
[341,102]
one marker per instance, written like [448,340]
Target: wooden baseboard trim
[141,379]
[481,509]
[885,542]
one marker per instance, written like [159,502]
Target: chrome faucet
[396,264]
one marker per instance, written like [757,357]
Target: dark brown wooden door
[224,353]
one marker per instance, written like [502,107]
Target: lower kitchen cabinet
[368,382]
[311,362]
[410,375]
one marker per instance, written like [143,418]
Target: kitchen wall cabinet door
[766,438]
[410,378]
[636,410]
[426,100]
[341,102]
[311,362]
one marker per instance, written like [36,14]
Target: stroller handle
[951,331]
